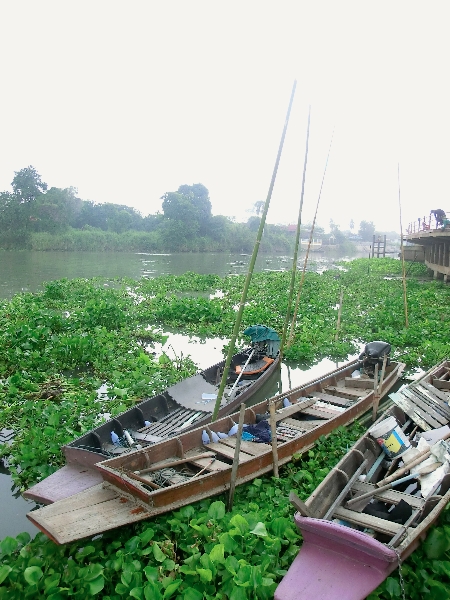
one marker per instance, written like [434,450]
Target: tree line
[33,214]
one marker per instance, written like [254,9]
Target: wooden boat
[137,485]
[370,512]
[181,407]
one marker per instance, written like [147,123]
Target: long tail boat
[181,407]
[376,506]
[198,464]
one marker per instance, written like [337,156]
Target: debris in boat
[128,438]
[222,435]
[286,402]
[215,438]
[205,438]
[115,438]
[257,433]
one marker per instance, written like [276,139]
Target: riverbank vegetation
[36,217]
[60,346]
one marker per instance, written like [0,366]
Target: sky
[126,101]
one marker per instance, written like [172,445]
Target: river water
[25,271]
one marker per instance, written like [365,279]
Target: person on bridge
[439,215]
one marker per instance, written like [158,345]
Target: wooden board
[282,413]
[321,412]
[424,410]
[410,409]
[346,392]
[253,448]
[359,382]
[436,396]
[370,521]
[332,399]
[87,514]
[227,451]
[390,496]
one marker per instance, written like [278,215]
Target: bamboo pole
[338,324]
[237,450]
[251,265]
[297,241]
[405,302]
[273,430]
[294,317]
[378,388]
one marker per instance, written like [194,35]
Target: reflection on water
[25,271]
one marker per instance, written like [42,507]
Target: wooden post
[237,449]
[273,430]
[375,394]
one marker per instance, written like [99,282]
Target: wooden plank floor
[87,514]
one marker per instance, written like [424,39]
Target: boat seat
[227,451]
[363,520]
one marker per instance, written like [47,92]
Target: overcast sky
[128,100]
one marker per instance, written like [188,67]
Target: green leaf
[436,544]
[217,554]
[158,553]
[172,588]
[8,545]
[92,571]
[205,575]
[152,591]
[238,593]
[96,585]
[191,594]
[216,510]
[33,575]
[5,570]
[132,544]
[260,529]
[151,573]
[147,535]
[137,592]
[240,523]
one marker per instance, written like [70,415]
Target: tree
[366,230]
[352,224]
[189,210]
[27,184]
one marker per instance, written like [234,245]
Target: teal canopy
[259,333]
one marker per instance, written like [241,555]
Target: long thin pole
[252,263]
[405,301]
[237,449]
[297,241]
[294,317]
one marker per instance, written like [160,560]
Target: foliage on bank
[59,346]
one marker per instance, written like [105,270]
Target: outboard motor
[373,354]
[265,340]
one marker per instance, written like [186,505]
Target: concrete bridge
[431,246]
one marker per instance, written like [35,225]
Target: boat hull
[82,454]
[337,560]
[305,403]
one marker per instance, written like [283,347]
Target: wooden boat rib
[352,543]
[129,493]
[181,407]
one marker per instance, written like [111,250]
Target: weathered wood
[369,521]
[410,409]
[346,392]
[358,382]
[292,410]
[435,397]
[321,412]
[332,399]
[253,448]
[340,497]
[273,430]
[441,385]
[299,505]
[389,496]
[236,457]
[228,451]
[173,463]
[425,411]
